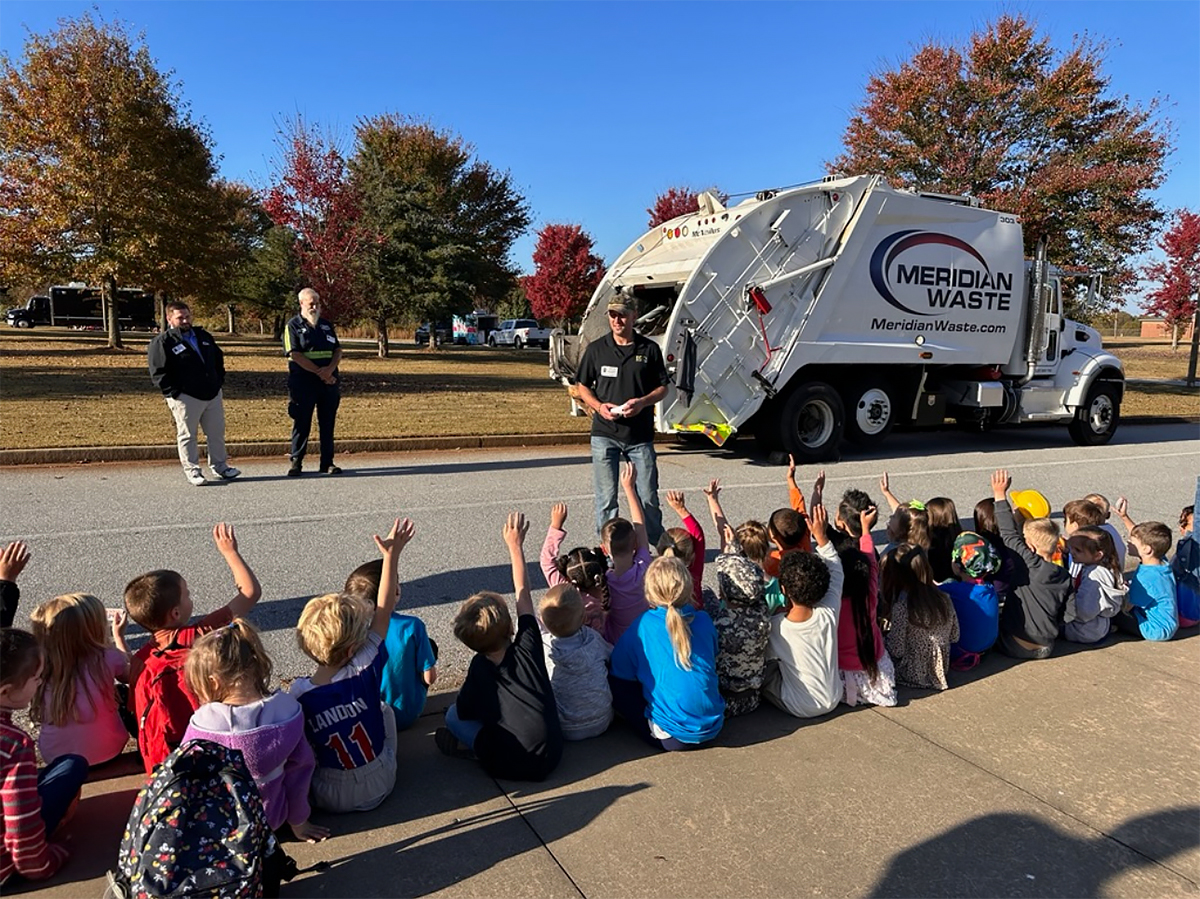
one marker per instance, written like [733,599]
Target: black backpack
[197,829]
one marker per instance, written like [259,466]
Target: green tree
[442,222]
[268,279]
[1026,129]
[104,177]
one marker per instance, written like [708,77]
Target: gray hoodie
[578,668]
[1098,597]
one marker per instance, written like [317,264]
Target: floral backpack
[197,829]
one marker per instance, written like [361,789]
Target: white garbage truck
[842,308]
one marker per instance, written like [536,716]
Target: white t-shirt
[807,650]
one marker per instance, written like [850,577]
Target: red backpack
[163,704]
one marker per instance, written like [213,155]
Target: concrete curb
[86,454]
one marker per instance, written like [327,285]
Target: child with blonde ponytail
[77,704]
[664,667]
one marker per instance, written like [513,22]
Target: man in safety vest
[313,354]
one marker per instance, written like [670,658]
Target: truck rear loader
[843,308]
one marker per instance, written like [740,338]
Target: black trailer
[76,306]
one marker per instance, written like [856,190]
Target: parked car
[443,331]
[519,333]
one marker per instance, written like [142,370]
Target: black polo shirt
[316,343]
[615,374]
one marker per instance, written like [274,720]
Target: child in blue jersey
[974,562]
[664,667]
[1150,609]
[351,731]
[411,655]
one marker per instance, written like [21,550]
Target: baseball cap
[622,301]
[978,558]
[1030,503]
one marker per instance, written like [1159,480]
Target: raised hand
[403,530]
[818,524]
[675,501]
[225,538]
[628,475]
[867,518]
[713,490]
[13,559]
[1001,481]
[515,529]
[558,516]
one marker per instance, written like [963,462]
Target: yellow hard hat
[1030,503]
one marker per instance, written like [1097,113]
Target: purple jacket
[270,735]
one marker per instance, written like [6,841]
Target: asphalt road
[94,527]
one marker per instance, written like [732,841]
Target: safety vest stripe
[319,354]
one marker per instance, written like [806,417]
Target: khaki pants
[192,414]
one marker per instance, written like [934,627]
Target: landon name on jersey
[344,720]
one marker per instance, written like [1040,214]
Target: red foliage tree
[672,203]
[1178,275]
[1027,129]
[566,273]
[314,198]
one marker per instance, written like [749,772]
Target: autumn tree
[1026,129]
[677,201]
[312,196]
[1178,276]
[104,177]
[566,273]
[441,222]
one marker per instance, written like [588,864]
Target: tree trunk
[108,300]
[381,327]
[1174,336]
[160,308]
[230,316]
[277,328]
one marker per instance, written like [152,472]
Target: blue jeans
[607,455]
[464,730]
[58,785]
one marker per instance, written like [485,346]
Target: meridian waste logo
[922,283]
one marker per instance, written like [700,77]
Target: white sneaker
[228,474]
[195,478]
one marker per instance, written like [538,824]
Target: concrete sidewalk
[1074,776]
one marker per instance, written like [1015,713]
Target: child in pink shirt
[686,543]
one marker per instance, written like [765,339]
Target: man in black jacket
[189,368]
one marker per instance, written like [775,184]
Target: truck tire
[811,422]
[870,413]
[517,344]
[23,323]
[1096,420]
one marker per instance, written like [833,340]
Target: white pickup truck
[519,333]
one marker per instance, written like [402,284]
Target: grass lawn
[64,388]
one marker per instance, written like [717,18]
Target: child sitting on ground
[664,668]
[351,729]
[739,613]
[624,542]
[985,527]
[77,705]
[974,562]
[867,674]
[754,540]
[802,674]
[577,662]
[686,543]
[35,802]
[909,522]
[1186,568]
[1102,503]
[584,567]
[411,667]
[922,618]
[788,528]
[1150,608]
[505,713]
[160,602]
[1099,585]
[1033,610]
[230,673]
[944,528]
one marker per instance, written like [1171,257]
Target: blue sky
[597,107]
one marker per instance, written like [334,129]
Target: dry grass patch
[63,389]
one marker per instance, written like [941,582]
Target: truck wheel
[1096,420]
[517,343]
[811,422]
[23,323]
[870,414]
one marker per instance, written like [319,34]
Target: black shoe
[330,469]
[296,470]
[448,743]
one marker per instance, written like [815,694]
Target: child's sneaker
[448,743]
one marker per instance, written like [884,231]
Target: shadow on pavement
[1019,855]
